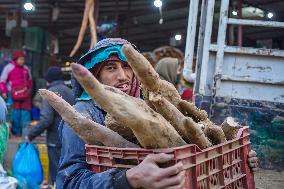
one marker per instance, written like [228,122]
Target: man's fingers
[181,185]
[252,153]
[176,187]
[172,170]
[253,160]
[160,158]
[176,180]
[253,165]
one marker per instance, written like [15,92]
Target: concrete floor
[269,179]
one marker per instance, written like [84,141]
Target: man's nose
[121,75]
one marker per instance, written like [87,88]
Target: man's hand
[27,139]
[253,160]
[149,175]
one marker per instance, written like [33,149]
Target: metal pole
[19,15]
[223,20]
[259,23]
[200,44]
[221,37]
[206,45]
[240,28]
[190,40]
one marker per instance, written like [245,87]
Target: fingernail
[170,156]
[78,69]
[179,166]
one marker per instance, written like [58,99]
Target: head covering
[93,59]
[167,69]
[108,42]
[104,54]
[17,54]
[97,67]
[53,74]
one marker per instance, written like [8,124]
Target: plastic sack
[27,167]
[5,181]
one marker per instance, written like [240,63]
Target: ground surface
[269,179]
[264,179]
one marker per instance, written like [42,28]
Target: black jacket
[49,118]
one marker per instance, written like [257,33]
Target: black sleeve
[46,119]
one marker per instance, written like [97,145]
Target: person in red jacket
[16,82]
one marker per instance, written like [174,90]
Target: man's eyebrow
[110,63]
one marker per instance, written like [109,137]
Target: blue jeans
[19,118]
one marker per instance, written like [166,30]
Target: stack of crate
[42,149]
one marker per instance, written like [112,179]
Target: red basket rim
[245,132]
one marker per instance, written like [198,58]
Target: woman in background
[16,80]
[170,69]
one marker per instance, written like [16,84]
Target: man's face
[20,61]
[116,74]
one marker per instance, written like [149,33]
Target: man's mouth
[123,87]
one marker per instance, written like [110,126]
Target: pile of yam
[161,120]
[162,52]
[167,51]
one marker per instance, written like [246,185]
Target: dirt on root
[269,179]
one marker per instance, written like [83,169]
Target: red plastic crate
[221,166]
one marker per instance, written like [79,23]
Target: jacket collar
[15,64]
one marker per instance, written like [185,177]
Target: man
[50,119]
[16,81]
[108,64]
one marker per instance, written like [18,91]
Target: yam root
[189,109]
[151,82]
[122,130]
[213,132]
[167,51]
[230,128]
[186,127]
[88,5]
[92,26]
[149,127]
[89,131]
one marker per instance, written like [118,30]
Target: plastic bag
[27,166]
[3,110]
[5,181]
